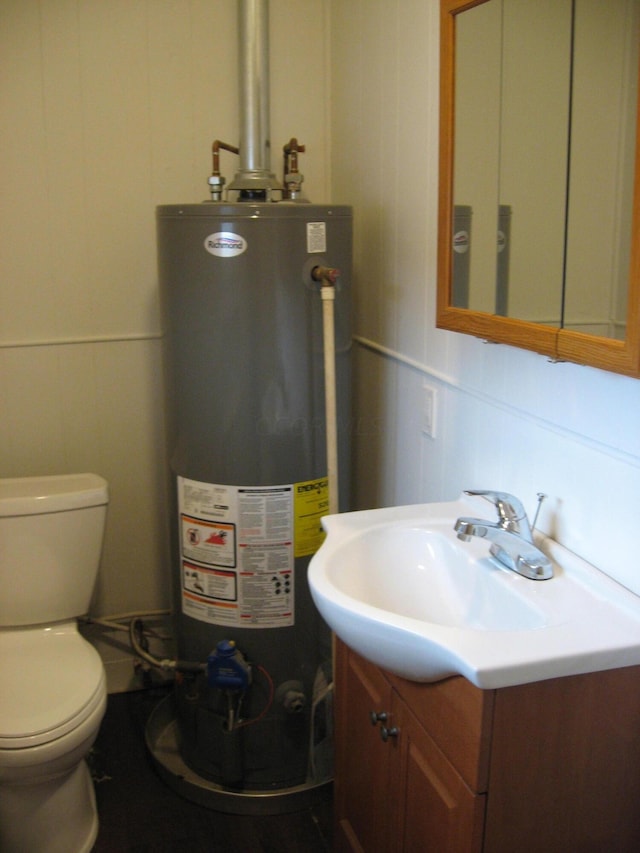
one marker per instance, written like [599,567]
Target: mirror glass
[545,106]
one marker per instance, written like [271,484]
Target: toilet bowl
[53,688]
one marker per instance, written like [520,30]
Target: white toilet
[52,682]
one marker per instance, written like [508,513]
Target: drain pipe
[327,277]
[254,178]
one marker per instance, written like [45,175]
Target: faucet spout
[467,528]
[511,549]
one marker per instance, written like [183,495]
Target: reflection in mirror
[545,138]
[603,143]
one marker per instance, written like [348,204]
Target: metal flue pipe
[255,142]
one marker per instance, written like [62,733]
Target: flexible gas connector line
[166,664]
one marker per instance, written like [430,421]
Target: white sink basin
[399,587]
[424,573]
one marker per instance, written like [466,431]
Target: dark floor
[139,813]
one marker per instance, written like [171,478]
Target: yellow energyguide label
[310,503]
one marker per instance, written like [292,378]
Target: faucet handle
[509,507]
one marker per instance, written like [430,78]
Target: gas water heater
[246,429]
[258,424]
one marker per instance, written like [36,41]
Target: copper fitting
[215,149]
[327,276]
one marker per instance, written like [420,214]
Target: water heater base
[162,742]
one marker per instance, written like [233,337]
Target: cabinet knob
[386,733]
[378,717]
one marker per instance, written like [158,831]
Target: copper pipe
[215,149]
[292,183]
[292,148]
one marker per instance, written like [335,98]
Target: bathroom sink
[402,590]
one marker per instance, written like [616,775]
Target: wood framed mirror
[539,199]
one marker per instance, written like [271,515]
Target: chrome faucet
[511,536]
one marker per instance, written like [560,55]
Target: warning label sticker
[209,583]
[208,541]
[237,553]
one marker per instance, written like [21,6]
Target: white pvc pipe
[328,332]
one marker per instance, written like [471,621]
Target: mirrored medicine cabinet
[539,216]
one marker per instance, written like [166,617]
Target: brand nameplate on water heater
[225,244]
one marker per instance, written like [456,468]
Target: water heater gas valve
[227,668]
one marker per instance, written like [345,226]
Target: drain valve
[291,696]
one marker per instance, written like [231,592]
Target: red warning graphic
[218,538]
[210,542]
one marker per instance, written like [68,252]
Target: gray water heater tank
[246,434]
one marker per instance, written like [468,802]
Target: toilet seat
[52,680]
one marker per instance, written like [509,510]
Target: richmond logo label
[225,244]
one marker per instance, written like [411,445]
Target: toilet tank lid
[58,493]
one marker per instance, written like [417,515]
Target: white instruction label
[237,553]
[316,237]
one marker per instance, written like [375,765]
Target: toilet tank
[51,531]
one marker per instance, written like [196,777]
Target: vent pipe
[254,178]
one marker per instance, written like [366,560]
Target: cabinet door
[362,758]
[435,811]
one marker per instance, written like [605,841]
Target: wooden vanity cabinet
[362,758]
[551,767]
[405,793]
